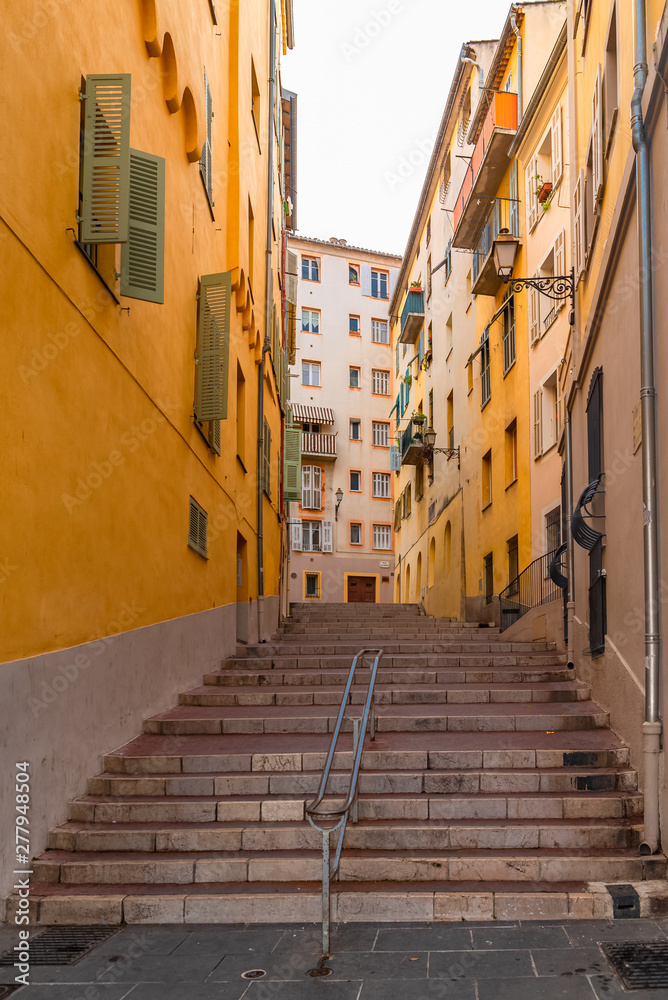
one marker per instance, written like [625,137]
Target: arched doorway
[418,578]
[407,597]
[431,566]
[447,547]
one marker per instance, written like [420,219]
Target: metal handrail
[340,815]
[532,588]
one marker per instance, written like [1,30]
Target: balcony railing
[412,318]
[504,214]
[531,589]
[322,445]
[488,165]
[412,443]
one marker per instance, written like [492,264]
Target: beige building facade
[342,388]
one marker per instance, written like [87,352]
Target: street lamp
[429,442]
[557,287]
[339,498]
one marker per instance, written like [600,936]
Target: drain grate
[61,945]
[322,971]
[640,966]
[253,974]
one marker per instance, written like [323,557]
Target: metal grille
[61,945]
[640,966]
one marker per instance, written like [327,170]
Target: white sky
[370,100]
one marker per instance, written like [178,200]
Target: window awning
[305,413]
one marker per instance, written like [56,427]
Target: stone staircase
[494,788]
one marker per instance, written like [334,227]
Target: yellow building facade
[144,361]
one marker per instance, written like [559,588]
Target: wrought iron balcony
[488,165]
[412,318]
[320,445]
[412,443]
[504,214]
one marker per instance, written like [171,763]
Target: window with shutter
[532,200]
[380,382]
[292,463]
[366,279]
[579,226]
[326,536]
[538,423]
[595,425]
[214,435]
[395,459]
[381,485]
[306,487]
[266,482]
[534,313]
[205,163]
[513,194]
[379,332]
[197,528]
[105,165]
[142,256]
[380,434]
[597,142]
[557,147]
[296,532]
[213,347]
[291,263]
[382,536]
[316,487]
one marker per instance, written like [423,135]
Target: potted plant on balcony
[408,380]
[543,190]
[416,286]
[419,418]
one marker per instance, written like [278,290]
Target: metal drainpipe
[652,724]
[520,86]
[570,594]
[268,302]
[468,59]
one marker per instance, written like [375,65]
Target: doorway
[361,590]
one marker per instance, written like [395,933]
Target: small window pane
[355,430]
[354,374]
[355,534]
[355,482]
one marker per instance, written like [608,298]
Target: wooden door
[361,590]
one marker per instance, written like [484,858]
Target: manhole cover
[317,973]
[640,966]
[253,974]
[61,945]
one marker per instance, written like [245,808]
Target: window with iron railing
[485,374]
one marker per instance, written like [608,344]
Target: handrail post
[325,894]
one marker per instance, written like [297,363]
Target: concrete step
[321,646]
[274,676]
[389,694]
[458,717]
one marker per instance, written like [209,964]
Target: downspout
[570,593]
[520,79]
[268,302]
[652,724]
[466,57]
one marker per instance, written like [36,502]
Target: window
[382,536]
[611,87]
[213,347]
[448,335]
[450,412]
[553,530]
[431,407]
[469,378]
[310,321]
[355,429]
[485,374]
[380,285]
[488,574]
[266,441]
[355,482]
[379,331]
[381,434]
[380,381]
[513,564]
[311,373]
[381,485]
[508,317]
[511,453]
[407,502]
[429,276]
[546,415]
[197,528]
[469,297]
[419,481]
[311,487]
[447,267]
[354,326]
[312,586]
[486,479]
[597,142]
[428,229]
[310,269]
[241,414]
[353,377]
[311,536]
[355,533]
[396,358]
[537,423]
[255,106]
[397,514]
[205,164]
[353,274]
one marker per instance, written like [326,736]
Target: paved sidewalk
[462,961]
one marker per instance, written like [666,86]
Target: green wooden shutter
[197,528]
[292,487]
[205,163]
[143,256]
[213,348]
[266,481]
[214,435]
[105,173]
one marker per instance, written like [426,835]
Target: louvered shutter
[514,201]
[267,458]
[559,256]
[395,459]
[316,487]
[205,163]
[534,313]
[214,435]
[557,147]
[291,264]
[394,272]
[538,423]
[532,201]
[578,226]
[197,528]
[106,160]
[213,348]
[296,536]
[285,381]
[597,141]
[307,493]
[366,279]
[143,256]
[293,461]
[420,350]
[326,536]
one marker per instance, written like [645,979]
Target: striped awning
[306,413]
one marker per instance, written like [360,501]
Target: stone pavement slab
[570,961]
[557,988]
[527,936]
[480,965]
